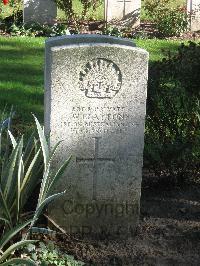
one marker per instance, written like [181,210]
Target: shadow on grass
[22,73]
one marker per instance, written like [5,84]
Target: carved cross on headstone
[95,161]
[124,2]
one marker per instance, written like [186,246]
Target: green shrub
[88,4]
[112,31]
[169,20]
[11,10]
[172,138]
[68,8]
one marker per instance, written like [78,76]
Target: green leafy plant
[88,4]
[21,167]
[50,254]
[67,7]
[169,20]
[36,30]
[172,137]
[71,15]
[12,9]
[4,255]
[112,31]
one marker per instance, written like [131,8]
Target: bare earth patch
[168,233]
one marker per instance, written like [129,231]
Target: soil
[168,233]
[145,30]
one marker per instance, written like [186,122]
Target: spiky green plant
[20,166]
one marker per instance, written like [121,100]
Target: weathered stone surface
[193,8]
[123,12]
[95,102]
[41,11]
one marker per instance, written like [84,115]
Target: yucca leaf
[11,233]
[17,185]
[19,180]
[33,181]
[4,220]
[33,165]
[10,171]
[43,184]
[30,149]
[13,188]
[41,206]
[7,142]
[44,144]
[14,142]
[15,246]
[59,173]
[5,208]
[28,173]
[54,150]
[48,181]
[18,261]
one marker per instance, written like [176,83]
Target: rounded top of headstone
[87,39]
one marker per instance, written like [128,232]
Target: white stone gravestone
[123,12]
[193,8]
[41,11]
[95,100]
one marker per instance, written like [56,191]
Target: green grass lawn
[22,68]
[21,76]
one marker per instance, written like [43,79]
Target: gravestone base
[97,219]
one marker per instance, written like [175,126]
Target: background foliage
[172,139]
[169,20]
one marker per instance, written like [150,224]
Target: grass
[22,68]
[21,77]
[158,49]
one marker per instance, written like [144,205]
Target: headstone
[193,8]
[95,99]
[41,11]
[123,12]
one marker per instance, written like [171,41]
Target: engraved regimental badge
[101,78]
